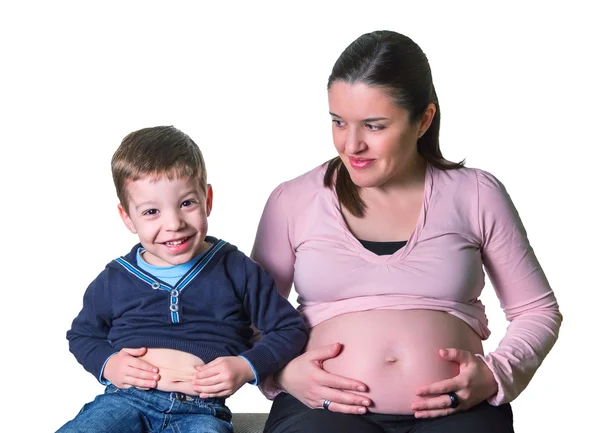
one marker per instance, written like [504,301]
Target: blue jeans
[135,411]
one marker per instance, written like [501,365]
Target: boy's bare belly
[394,352]
[176,369]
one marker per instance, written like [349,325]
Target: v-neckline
[412,240]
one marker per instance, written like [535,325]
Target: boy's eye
[150,212]
[187,203]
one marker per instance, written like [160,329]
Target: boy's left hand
[222,377]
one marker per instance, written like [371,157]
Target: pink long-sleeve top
[467,223]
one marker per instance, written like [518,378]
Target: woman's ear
[426,119]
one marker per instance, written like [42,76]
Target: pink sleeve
[273,250]
[272,246]
[522,288]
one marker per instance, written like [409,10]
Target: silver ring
[454,400]
[326,404]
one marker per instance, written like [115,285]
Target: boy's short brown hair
[155,152]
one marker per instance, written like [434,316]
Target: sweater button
[173,307]
[155,285]
[174,293]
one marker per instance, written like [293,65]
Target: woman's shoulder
[473,192]
[467,178]
[304,186]
[310,180]
[287,208]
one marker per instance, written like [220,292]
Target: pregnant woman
[386,245]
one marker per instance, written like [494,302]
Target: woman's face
[374,138]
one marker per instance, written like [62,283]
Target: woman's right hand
[124,369]
[305,379]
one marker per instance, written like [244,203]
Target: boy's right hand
[125,370]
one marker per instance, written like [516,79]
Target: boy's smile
[170,217]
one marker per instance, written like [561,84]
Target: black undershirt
[383,248]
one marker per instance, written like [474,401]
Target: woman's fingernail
[362,410]
[365,402]
[362,388]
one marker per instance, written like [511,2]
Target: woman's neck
[410,178]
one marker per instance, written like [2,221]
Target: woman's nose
[354,142]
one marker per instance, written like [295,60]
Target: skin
[163,212]
[367,125]
[378,145]
[170,218]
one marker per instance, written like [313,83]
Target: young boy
[179,303]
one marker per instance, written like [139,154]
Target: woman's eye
[371,127]
[338,122]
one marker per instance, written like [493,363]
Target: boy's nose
[174,221]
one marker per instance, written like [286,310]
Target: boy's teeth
[179,242]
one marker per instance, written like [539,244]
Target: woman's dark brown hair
[395,64]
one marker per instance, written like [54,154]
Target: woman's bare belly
[176,369]
[394,352]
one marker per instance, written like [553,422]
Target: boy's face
[170,218]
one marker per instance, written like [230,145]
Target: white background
[518,86]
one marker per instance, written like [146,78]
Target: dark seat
[249,422]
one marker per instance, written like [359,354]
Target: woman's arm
[303,377]
[273,248]
[527,300]
[522,288]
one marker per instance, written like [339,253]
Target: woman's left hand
[473,384]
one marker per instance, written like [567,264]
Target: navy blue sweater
[208,313]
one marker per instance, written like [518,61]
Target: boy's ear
[209,199]
[125,217]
